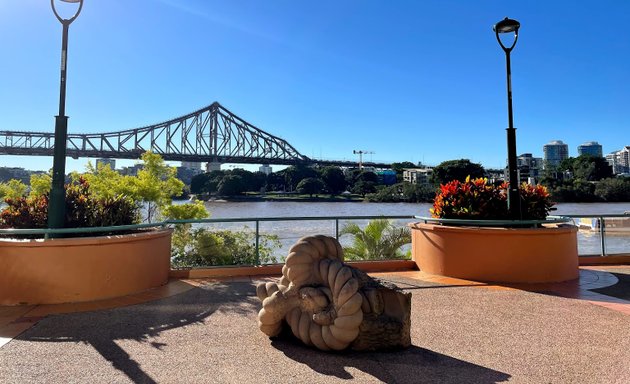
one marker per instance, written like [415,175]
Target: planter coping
[72,241]
[495,223]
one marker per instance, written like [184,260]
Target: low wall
[512,255]
[68,270]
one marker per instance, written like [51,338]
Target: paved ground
[461,333]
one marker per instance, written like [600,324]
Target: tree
[296,173]
[613,189]
[40,184]
[587,167]
[231,185]
[334,179]
[456,170]
[155,184]
[311,186]
[364,187]
[379,240]
[12,189]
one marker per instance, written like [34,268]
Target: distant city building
[386,177]
[131,171]
[620,161]
[110,162]
[265,168]
[9,173]
[191,164]
[554,152]
[418,175]
[213,166]
[529,168]
[592,148]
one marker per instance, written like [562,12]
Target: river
[290,231]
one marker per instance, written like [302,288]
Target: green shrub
[201,247]
[82,210]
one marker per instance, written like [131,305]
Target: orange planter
[82,269]
[509,255]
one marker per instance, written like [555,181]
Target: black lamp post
[57,200]
[514,201]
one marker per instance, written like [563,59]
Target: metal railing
[45,232]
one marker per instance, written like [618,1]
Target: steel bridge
[211,134]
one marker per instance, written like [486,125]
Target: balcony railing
[605,236]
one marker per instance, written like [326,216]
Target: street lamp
[514,201]
[57,199]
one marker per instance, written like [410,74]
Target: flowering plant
[478,200]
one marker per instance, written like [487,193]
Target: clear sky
[408,80]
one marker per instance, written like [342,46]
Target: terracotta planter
[82,269]
[509,255]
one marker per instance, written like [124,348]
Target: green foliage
[613,189]
[379,240]
[155,184]
[202,247]
[231,185]
[310,186]
[40,184]
[12,189]
[296,173]
[363,187]
[587,167]
[456,170]
[404,192]
[188,211]
[82,209]
[334,180]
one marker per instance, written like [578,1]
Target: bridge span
[211,134]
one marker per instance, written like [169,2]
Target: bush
[478,200]
[82,210]
[202,247]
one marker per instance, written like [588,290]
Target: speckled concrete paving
[208,334]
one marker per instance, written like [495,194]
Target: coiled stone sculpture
[330,305]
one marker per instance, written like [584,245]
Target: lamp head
[71,19]
[507,26]
[504,26]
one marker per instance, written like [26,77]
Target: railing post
[602,234]
[257,242]
[337,229]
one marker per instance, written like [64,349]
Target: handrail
[257,220]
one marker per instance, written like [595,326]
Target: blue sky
[408,80]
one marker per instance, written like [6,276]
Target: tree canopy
[457,170]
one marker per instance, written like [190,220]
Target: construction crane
[361,153]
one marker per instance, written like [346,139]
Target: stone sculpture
[332,306]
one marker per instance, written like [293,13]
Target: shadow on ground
[101,329]
[411,365]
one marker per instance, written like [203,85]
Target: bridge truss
[211,134]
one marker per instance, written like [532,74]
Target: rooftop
[205,330]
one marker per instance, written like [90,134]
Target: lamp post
[57,199]
[514,201]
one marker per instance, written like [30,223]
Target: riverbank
[292,198]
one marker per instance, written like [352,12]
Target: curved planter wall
[509,255]
[82,269]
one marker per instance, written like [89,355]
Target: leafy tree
[364,187]
[334,179]
[40,184]
[379,240]
[311,186]
[587,167]
[613,189]
[230,185]
[404,192]
[275,182]
[296,173]
[456,170]
[12,189]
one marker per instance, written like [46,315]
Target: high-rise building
[265,168]
[554,152]
[620,160]
[110,162]
[191,164]
[592,148]
[529,167]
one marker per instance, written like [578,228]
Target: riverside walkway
[205,331]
